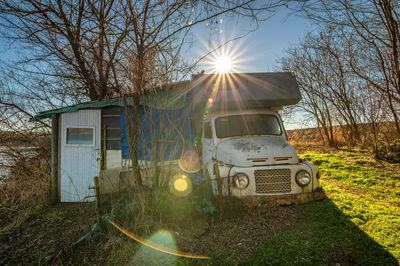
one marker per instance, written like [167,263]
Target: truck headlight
[303,178]
[241,180]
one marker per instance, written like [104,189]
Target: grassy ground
[367,193]
[358,223]
[45,235]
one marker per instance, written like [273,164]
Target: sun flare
[225,53]
[223,64]
[180,184]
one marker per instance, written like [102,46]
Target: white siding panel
[113,159]
[78,163]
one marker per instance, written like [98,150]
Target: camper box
[240,91]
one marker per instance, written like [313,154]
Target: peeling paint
[245,145]
[236,151]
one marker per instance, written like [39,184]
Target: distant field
[386,132]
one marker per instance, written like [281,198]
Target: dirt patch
[47,236]
[238,235]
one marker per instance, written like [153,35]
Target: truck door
[207,146]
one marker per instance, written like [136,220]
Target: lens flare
[189,162]
[180,184]
[155,245]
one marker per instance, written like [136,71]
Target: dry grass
[28,182]
[312,136]
[380,145]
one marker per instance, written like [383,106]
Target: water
[3,162]
[6,162]
[3,170]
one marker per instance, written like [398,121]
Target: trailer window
[80,136]
[111,127]
[241,125]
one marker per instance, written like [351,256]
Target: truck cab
[245,150]
[246,153]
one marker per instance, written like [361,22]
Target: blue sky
[256,52]
[259,50]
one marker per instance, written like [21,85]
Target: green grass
[367,196]
[358,222]
[355,172]
[325,235]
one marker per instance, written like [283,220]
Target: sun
[226,52]
[223,64]
[224,61]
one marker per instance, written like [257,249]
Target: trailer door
[80,152]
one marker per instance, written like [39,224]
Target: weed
[55,216]
[123,253]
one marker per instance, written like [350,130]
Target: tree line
[348,70]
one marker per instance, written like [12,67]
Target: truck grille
[273,180]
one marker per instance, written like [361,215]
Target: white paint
[79,163]
[113,159]
[207,148]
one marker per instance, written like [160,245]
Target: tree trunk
[54,159]
[133,129]
[134,141]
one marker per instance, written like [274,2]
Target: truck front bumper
[287,199]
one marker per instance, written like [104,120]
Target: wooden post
[98,203]
[54,158]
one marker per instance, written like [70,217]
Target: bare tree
[370,31]
[24,152]
[111,48]
[333,93]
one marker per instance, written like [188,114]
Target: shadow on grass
[323,235]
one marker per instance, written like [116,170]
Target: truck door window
[207,130]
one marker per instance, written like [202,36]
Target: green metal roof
[169,100]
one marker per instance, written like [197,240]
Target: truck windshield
[241,125]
